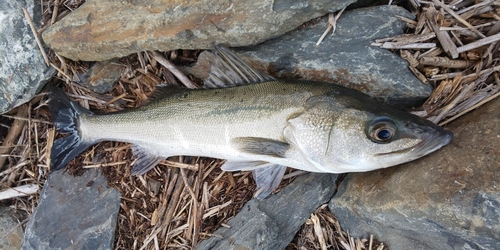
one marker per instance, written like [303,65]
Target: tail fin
[65,115]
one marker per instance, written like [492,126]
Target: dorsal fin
[229,71]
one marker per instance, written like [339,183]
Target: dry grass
[184,200]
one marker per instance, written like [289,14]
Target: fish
[256,123]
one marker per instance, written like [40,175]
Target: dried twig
[35,34]
[167,64]
[332,24]
[19,191]
[479,43]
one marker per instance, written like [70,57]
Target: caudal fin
[65,115]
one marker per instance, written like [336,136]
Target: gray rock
[23,71]
[346,58]
[74,213]
[447,200]
[271,223]
[11,232]
[105,29]
[102,76]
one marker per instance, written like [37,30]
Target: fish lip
[430,143]
[437,140]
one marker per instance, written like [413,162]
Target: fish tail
[66,116]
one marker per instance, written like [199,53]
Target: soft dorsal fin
[229,71]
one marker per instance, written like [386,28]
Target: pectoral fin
[260,146]
[268,179]
[144,160]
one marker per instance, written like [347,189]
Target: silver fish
[256,123]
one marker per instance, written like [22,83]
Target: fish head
[364,135]
[379,140]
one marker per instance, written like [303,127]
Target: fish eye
[382,130]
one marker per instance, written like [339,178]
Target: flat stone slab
[272,223]
[78,212]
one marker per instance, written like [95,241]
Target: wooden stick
[479,43]
[19,191]
[443,37]
[35,33]
[171,67]
[445,62]
[179,165]
[14,132]
[458,17]
[55,12]
[391,45]
[332,24]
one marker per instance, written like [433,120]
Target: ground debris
[184,200]
[454,47]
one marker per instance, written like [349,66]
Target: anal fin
[144,160]
[268,179]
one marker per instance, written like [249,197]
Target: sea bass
[256,123]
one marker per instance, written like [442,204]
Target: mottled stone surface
[102,76]
[447,200]
[272,223]
[11,231]
[105,29]
[74,213]
[346,58]
[23,71]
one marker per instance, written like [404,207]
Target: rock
[346,58]
[272,223]
[104,29]
[11,231]
[74,213]
[102,76]
[23,71]
[447,200]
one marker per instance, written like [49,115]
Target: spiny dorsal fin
[229,71]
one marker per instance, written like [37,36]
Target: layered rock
[105,29]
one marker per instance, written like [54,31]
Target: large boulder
[346,58]
[447,200]
[105,29]
[23,71]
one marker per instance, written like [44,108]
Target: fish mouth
[430,143]
[437,140]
